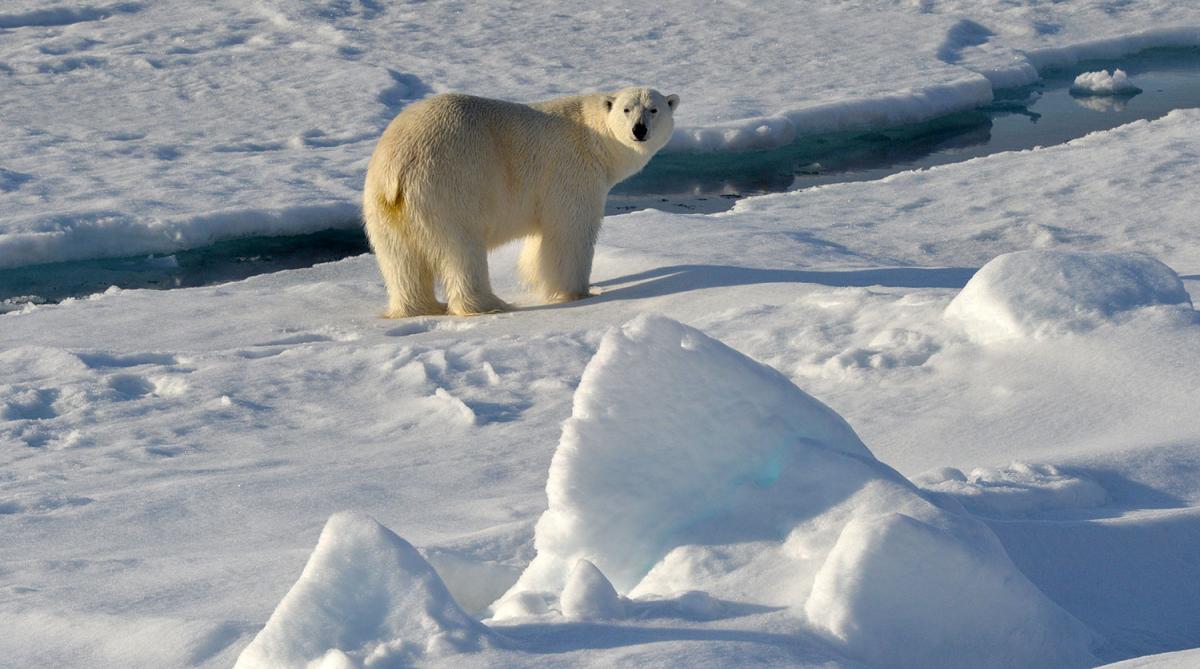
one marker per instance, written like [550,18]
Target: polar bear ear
[672,101]
[608,103]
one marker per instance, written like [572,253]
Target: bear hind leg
[408,276]
[468,286]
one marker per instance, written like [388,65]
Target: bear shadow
[675,279]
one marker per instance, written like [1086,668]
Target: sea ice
[1103,83]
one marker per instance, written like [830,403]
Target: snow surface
[1104,83]
[168,458]
[137,127]
[169,466]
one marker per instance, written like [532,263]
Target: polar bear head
[641,118]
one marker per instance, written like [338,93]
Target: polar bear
[455,175]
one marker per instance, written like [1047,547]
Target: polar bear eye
[627,110]
[653,111]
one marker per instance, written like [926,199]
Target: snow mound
[670,427]
[1031,294]
[689,470]
[588,595]
[1103,83]
[366,598]
[1016,490]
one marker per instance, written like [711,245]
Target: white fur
[454,176]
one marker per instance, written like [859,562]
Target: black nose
[639,132]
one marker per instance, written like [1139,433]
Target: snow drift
[1030,294]
[366,598]
[1016,490]
[686,466]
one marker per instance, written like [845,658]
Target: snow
[1104,83]
[176,480]
[365,598]
[283,100]
[168,459]
[1030,294]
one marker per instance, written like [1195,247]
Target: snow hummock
[688,467]
[366,598]
[1103,83]
[1031,294]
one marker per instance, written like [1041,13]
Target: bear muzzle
[640,131]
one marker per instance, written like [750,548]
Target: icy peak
[365,598]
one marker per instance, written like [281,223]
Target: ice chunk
[588,595]
[365,598]
[1041,293]
[1103,83]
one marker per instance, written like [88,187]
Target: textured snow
[1015,490]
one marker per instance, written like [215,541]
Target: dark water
[1043,114]
[1040,115]
[218,263]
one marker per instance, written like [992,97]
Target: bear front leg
[564,258]
[529,264]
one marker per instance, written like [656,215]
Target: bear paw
[435,309]
[489,304]
[568,296]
